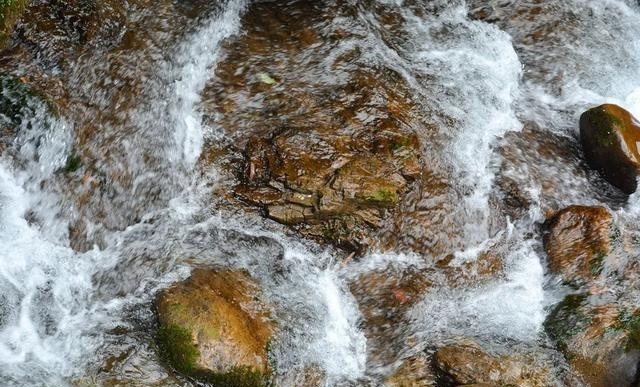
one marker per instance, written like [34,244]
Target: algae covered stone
[598,340]
[10,11]
[214,329]
[19,101]
[610,137]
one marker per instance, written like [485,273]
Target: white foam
[195,59]
[343,348]
[49,283]
[510,308]
[51,322]
[478,70]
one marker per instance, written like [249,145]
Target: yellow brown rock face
[210,324]
[610,137]
[577,241]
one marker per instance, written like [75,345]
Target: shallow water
[85,252]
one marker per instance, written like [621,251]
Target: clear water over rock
[424,144]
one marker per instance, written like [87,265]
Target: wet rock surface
[322,136]
[337,154]
[598,339]
[610,137]
[595,326]
[336,188]
[415,371]
[467,364]
[577,242]
[213,327]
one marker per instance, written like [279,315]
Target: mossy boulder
[577,242]
[599,341]
[610,137]
[10,11]
[596,328]
[212,328]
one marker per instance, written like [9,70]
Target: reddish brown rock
[610,136]
[577,242]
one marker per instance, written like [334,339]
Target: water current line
[195,60]
[49,322]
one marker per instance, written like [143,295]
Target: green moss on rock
[74,162]
[177,348]
[630,324]
[10,11]
[235,377]
[566,320]
[604,122]
[18,101]
[596,262]
[383,196]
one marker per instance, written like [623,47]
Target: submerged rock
[213,328]
[384,298]
[466,363]
[577,242]
[600,342]
[331,187]
[610,137]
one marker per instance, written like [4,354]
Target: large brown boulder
[577,240]
[609,136]
[213,329]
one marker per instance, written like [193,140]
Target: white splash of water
[509,308]
[345,344]
[475,65]
[195,59]
[44,287]
[50,320]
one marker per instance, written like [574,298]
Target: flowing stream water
[83,316]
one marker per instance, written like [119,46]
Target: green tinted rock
[10,11]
